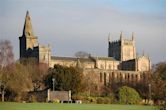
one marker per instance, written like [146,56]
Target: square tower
[123,49]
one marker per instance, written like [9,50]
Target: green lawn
[51,106]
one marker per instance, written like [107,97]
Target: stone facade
[121,63]
[103,77]
[123,49]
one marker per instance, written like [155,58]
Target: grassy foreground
[52,106]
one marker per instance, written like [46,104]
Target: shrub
[91,99]
[106,100]
[88,99]
[17,99]
[100,100]
[33,98]
[128,95]
[77,97]
[112,99]
[56,101]
[163,106]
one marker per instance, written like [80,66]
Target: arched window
[136,78]
[110,66]
[110,77]
[101,66]
[101,77]
[105,78]
[120,77]
[128,77]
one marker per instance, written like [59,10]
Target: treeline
[18,78]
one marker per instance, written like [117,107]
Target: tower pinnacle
[109,37]
[121,35]
[28,31]
[132,35]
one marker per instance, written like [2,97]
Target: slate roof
[63,58]
[90,59]
[106,58]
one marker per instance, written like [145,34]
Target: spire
[132,35]
[109,37]
[143,53]
[27,31]
[121,35]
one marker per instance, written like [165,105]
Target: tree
[82,54]
[4,78]
[6,53]
[6,60]
[36,71]
[128,95]
[19,81]
[160,70]
[66,78]
[143,89]
[159,82]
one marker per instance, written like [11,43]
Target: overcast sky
[83,25]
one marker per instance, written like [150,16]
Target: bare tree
[6,59]
[158,83]
[82,54]
[36,71]
[6,53]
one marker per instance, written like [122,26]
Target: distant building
[121,63]
[29,46]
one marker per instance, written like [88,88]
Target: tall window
[109,66]
[101,66]
[105,78]
[101,77]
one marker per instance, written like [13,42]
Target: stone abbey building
[122,62]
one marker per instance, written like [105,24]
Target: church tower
[27,41]
[29,46]
[123,49]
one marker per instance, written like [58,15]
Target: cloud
[82,25]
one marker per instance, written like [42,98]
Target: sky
[70,26]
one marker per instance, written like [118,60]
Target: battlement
[128,42]
[121,40]
[115,43]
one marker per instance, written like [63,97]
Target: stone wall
[44,55]
[143,63]
[101,76]
[60,95]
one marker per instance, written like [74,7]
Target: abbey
[122,61]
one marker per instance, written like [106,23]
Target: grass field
[51,106]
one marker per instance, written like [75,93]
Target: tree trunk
[3,95]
